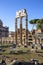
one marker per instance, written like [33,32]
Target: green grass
[40,51]
[25,56]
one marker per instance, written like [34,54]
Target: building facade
[4,31]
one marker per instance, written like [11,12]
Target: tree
[41,21]
[41,24]
[38,24]
[33,22]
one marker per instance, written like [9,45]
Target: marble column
[21,30]
[16,30]
[26,30]
[40,40]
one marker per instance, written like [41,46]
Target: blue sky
[8,10]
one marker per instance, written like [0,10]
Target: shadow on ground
[26,63]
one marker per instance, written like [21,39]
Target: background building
[4,31]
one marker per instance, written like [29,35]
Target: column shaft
[26,29]
[16,30]
[21,30]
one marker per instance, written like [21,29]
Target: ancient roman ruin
[20,36]
[20,14]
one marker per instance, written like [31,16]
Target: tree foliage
[38,22]
[38,26]
[33,21]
